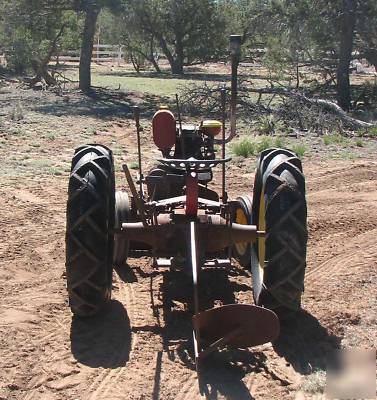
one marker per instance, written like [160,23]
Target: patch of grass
[247,146]
[264,143]
[299,148]
[41,166]
[118,152]
[367,132]
[244,148]
[50,136]
[54,171]
[130,82]
[359,143]
[279,142]
[16,131]
[87,132]
[133,165]
[333,139]
[346,155]
[17,113]
[40,163]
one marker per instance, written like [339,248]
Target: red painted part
[164,129]
[192,192]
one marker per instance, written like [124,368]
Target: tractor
[172,215]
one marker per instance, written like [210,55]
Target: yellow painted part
[211,124]
[241,218]
[262,240]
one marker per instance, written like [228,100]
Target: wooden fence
[102,53]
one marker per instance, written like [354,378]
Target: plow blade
[234,326]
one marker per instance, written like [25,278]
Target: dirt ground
[141,347]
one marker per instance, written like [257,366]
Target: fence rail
[101,53]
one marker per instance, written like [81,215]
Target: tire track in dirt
[109,384]
[146,332]
[325,177]
[58,329]
[335,264]
[347,193]
[108,378]
[190,390]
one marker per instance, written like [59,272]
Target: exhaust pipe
[235,53]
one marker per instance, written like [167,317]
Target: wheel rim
[241,218]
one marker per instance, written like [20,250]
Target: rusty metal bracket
[138,201]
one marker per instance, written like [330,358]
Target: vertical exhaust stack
[235,53]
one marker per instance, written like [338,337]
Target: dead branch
[289,106]
[326,105]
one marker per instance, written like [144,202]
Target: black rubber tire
[279,176]
[89,232]
[242,251]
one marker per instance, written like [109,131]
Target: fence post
[120,51]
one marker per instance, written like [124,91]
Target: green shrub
[299,149]
[265,142]
[279,142]
[333,139]
[244,148]
[247,147]
[367,132]
[22,46]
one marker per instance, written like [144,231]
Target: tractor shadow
[103,340]
[304,343]
[223,373]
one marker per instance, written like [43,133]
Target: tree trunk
[346,32]
[177,66]
[40,69]
[134,62]
[155,65]
[87,48]
[152,58]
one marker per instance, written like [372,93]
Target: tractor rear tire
[242,214]
[279,208]
[89,234]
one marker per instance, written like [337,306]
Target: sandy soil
[140,347]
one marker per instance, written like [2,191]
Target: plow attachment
[232,326]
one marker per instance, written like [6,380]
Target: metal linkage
[138,130]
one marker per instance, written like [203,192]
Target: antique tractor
[174,216]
